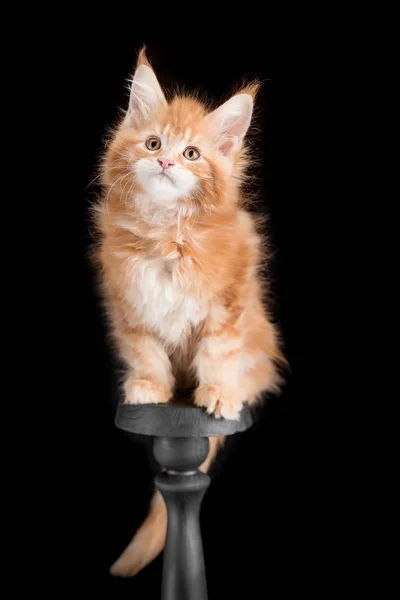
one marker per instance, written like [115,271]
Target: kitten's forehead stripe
[164,141]
[175,135]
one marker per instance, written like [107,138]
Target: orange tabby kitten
[178,257]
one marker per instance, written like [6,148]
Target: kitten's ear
[231,120]
[146,94]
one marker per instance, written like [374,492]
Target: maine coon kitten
[178,260]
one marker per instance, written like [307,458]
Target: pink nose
[166,163]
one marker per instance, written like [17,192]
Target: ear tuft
[251,89]
[142,58]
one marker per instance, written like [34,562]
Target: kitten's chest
[166,296]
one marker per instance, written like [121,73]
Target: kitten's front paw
[145,391]
[220,401]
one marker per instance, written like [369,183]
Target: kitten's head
[177,151]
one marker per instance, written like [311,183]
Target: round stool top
[178,419]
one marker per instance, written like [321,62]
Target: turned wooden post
[180,444]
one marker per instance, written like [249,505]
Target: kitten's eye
[191,154]
[153,143]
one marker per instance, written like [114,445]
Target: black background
[261,515]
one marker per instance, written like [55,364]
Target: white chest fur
[162,298]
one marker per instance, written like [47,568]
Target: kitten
[179,258]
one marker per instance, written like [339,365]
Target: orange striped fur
[179,259]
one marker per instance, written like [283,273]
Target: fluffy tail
[150,538]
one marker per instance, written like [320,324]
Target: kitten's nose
[166,163]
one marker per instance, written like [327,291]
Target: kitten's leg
[149,379]
[232,367]
[217,364]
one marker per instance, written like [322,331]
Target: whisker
[129,182]
[118,180]
[101,174]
